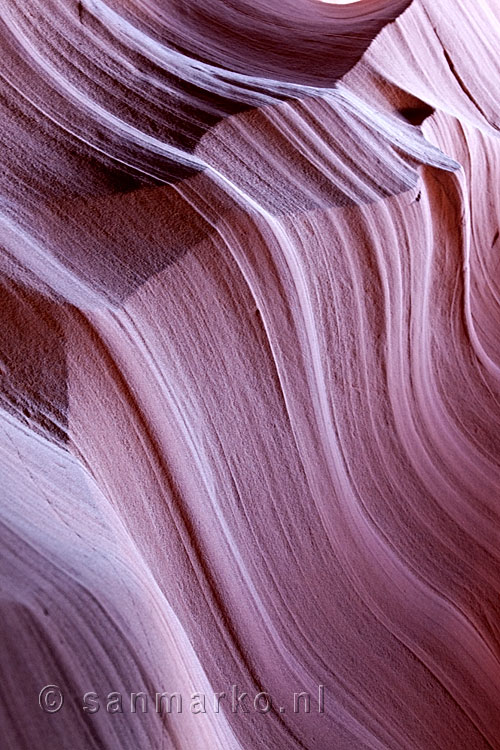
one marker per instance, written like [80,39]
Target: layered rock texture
[249,375]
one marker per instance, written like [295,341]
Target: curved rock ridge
[249,372]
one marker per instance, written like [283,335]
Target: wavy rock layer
[250,371]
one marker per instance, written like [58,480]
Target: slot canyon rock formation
[249,369]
